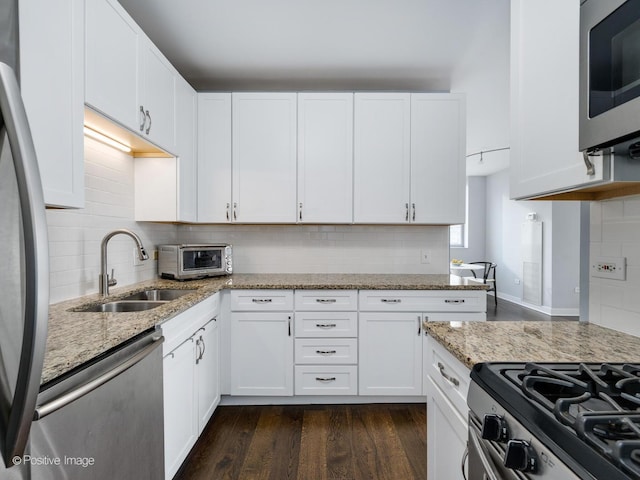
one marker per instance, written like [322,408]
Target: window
[458,233]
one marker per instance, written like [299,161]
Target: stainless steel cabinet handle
[289,324]
[465,455]
[326,352]
[235,211]
[406,213]
[326,325]
[390,300]
[56,404]
[457,300]
[326,300]
[227,212]
[262,300]
[143,118]
[326,379]
[419,325]
[413,215]
[149,127]
[451,379]
[204,347]
[300,211]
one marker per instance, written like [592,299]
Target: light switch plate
[614,268]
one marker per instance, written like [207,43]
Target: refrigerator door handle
[36,268]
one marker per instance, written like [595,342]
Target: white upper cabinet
[438,167]
[545,155]
[52,86]
[186,132]
[382,157]
[158,96]
[112,63]
[127,77]
[264,157]
[325,157]
[214,157]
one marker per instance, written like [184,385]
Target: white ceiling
[233,45]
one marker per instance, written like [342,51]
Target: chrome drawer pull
[326,379]
[326,352]
[262,300]
[326,325]
[326,300]
[390,300]
[451,379]
[459,300]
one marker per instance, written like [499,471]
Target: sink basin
[123,306]
[164,294]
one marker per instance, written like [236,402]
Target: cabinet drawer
[327,324]
[423,301]
[261,300]
[326,380]
[445,371]
[323,300]
[326,352]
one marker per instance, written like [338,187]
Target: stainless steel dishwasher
[103,421]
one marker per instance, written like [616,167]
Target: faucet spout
[104,282]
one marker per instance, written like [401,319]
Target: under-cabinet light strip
[106,140]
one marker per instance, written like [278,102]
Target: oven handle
[465,455]
[487,464]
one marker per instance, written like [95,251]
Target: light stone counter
[77,337]
[476,342]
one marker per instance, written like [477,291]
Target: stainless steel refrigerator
[24,274]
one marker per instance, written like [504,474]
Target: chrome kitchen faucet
[104,281]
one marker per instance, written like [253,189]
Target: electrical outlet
[425,256]
[614,268]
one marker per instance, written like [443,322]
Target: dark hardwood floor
[309,442]
[512,311]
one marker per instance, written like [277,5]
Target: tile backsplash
[75,237]
[615,232]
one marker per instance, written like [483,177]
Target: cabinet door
[261,353]
[52,48]
[325,157]
[438,168]
[112,62]
[186,112]
[381,157]
[446,437]
[158,96]
[544,108]
[390,354]
[180,415]
[214,157]
[264,157]
[208,374]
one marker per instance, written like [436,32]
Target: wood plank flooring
[312,442]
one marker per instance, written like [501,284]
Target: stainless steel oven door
[609,72]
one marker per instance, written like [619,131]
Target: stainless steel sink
[158,294]
[123,306]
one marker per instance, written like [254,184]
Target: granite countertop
[76,337]
[519,341]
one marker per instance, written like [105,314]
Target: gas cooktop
[587,413]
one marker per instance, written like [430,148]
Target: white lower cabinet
[446,386]
[262,342]
[390,353]
[191,379]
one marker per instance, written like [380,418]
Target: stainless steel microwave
[609,72]
[190,261]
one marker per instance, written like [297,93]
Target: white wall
[75,235]
[560,246]
[615,231]
[328,248]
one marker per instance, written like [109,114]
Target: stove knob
[494,428]
[520,456]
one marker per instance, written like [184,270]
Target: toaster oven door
[204,261]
